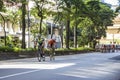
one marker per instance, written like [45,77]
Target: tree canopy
[88,18]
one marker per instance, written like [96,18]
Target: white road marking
[31,66]
[35,66]
[18,74]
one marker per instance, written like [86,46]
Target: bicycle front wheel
[39,56]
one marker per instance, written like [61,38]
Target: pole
[51,30]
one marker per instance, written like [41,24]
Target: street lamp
[51,25]
[51,29]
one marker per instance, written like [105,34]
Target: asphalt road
[91,66]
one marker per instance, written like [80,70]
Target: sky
[113,2]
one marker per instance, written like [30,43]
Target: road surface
[90,66]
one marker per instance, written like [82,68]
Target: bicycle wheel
[39,55]
[52,56]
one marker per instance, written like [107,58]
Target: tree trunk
[75,30]
[23,23]
[68,25]
[4,29]
[67,33]
[40,29]
[75,36]
[62,35]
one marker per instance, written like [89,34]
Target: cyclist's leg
[50,53]
[53,53]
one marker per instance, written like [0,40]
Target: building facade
[112,33]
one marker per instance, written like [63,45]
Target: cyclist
[41,54]
[51,46]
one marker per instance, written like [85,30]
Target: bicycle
[40,54]
[51,46]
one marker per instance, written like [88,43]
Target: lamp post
[51,29]
[51,25]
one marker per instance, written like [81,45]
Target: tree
[118,8]
[1,4]
[23,22]
[41,11]
[101,15]
[78,8]
[23,9]
[65,6]
[2,9]
[14,18]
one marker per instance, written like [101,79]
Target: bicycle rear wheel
[52,55]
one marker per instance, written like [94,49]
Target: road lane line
[27,72]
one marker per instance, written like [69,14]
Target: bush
[6,49]
[75,49]
[15,49]
[31,51]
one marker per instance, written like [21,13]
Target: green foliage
[1,42]
[30,49]
[9,49]
[90,17]
[27,50]
[6,49]
[1,5]
[75,49]
[15,49]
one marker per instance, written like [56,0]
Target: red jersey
[51,42]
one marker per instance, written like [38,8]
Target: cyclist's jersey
[40,43]
[51,42]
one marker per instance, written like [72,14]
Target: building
[112,33]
